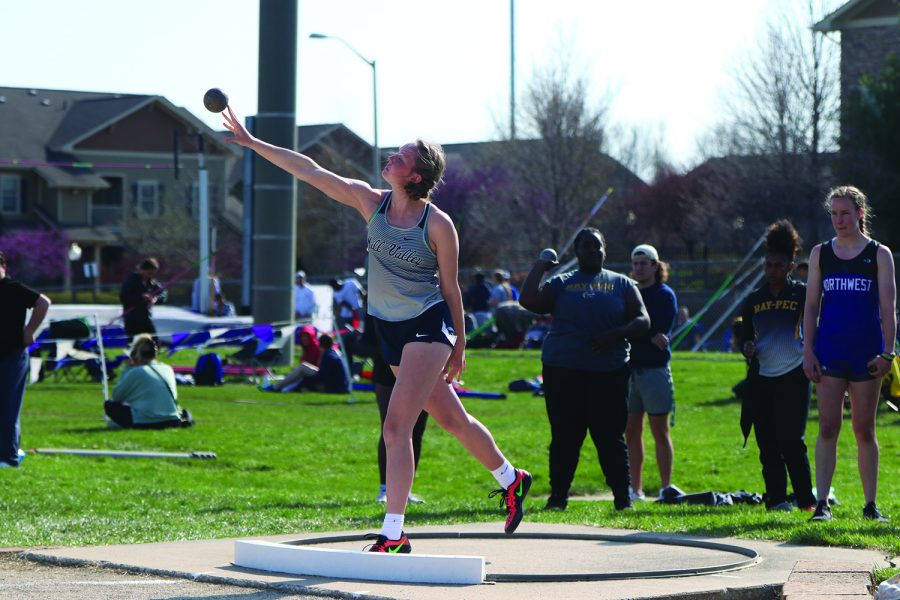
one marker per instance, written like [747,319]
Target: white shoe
[382,495]
[635,496]
[414,499]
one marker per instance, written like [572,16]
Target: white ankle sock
[505,474]
[392,528]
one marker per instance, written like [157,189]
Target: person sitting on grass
[329,376]
[309,361]
[146,396]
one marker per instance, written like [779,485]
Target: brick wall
[864,50]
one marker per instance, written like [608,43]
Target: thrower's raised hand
[239,134]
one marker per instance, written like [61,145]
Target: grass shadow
[721,402]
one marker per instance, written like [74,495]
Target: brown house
[99,167]
[870,33]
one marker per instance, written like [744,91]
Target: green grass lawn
[306,462]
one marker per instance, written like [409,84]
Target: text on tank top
[850,313]
[402,267]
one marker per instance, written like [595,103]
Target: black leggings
[585,401]
[781,408]
[120,413]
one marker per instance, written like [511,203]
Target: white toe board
[351,564]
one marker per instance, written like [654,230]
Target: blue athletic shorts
[433,325]
[851,370]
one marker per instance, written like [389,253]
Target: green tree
[871,155]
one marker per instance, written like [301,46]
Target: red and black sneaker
[382,544]
[513,497]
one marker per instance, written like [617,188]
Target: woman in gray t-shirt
[585,358]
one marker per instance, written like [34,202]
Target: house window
[147,199]
[10,194]
[106,205]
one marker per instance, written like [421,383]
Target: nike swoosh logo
[395,549]
[419,335]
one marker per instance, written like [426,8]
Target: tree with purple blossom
[471,195]
[37,256]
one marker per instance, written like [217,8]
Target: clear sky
[443,66]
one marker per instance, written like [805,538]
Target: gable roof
[861,13]
[310,135]
[91,115]
[35,123]
[480,150]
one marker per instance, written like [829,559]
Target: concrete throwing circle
[557,557]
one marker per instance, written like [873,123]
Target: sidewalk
[210,561]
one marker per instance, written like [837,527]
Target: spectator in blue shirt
[652,390]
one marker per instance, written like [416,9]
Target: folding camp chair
[255,354]
[61,341]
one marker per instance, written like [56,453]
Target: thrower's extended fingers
[239,133]
[231,121]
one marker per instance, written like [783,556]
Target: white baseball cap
[647,250]
[301,274]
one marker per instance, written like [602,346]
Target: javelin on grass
[718,292]
[122,453]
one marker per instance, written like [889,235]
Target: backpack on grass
[208,370]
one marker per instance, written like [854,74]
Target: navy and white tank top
[402,267]
[850,319]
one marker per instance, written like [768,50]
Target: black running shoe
[513,497]
[823,512]
[870,511]
[382,544]
[556,503]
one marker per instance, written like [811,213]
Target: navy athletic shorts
[851,370]
[433,325]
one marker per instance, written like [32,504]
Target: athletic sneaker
[870,511]
[412,498]
[382,544]
[781,506]
[5,465]
[636,496]
[513,498]
[823,512]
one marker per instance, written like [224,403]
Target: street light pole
[376,161]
